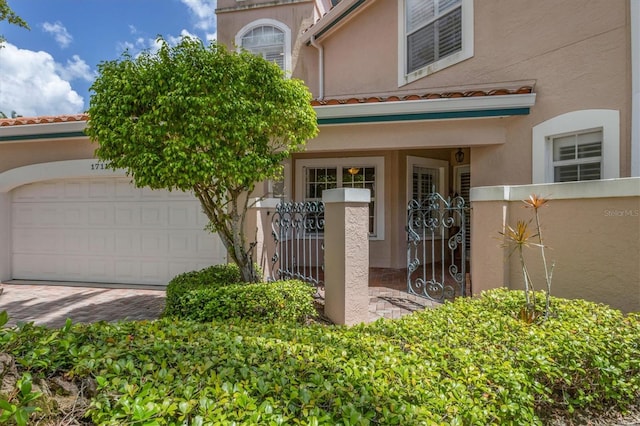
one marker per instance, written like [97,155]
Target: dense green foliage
[215,293]
[204,119]
[468,362]
[213,276]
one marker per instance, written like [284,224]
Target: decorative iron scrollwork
[436,270]
[297,229]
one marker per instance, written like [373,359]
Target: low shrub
[280,300]
[213,276]
[468,362]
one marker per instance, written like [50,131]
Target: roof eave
[42,131]
[452,108]
[337,16]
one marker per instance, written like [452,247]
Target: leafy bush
[213,276]
[467,362]
[280,300]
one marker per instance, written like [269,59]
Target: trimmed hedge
[467,362]
[280,300]
[215,293]
[213,276]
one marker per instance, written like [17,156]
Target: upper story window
[268,38]
[434,34]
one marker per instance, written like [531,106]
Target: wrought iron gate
[436,248]
[297,229]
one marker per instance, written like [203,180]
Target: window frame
[574,122]
[342,162]
[269,23]
[575,161]
[466,52]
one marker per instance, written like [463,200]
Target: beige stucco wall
[577,54]
[591,229]
[19,154]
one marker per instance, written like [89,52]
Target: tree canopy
[6,14]
[204,119]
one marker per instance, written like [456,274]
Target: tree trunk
[230,228]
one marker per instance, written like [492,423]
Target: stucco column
[346,255]
[489,216]
[258,228]
[5,241]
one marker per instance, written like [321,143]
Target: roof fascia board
[333,19]
[42,131]
[480,103]
[425,116]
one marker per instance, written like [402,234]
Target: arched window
[269,39]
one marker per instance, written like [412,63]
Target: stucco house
[476,98]
[491,100]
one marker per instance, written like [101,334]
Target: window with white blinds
[266,41]
[577,157]
[435,34]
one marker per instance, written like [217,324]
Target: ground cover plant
[468,362]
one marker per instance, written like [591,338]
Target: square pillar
[346,255]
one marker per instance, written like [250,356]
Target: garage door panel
[33,265]
[100,269]
[101,215]
[100,190]
[154,244]
[75,268]
[127,217]
[101,241]
[106,230]
[75,241]
[154,215]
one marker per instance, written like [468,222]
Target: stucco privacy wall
[592,230]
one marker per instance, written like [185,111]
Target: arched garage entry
[76,221]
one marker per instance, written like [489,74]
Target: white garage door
[106,230]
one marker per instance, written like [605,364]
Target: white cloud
[205,13]
[59,32]
[184,33]
[31,83]
[211,36]
[75,68]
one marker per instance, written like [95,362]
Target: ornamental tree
[203,119]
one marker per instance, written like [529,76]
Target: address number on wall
[98,166]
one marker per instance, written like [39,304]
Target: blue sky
[49,69]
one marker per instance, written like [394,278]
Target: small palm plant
[522,237]
[536,202]
[519,238]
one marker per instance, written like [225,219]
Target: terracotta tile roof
[416,97]
[46,119]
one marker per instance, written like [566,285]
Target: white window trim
[377,162]
[606,120]
[443,173]
[273,23]
[467,46]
